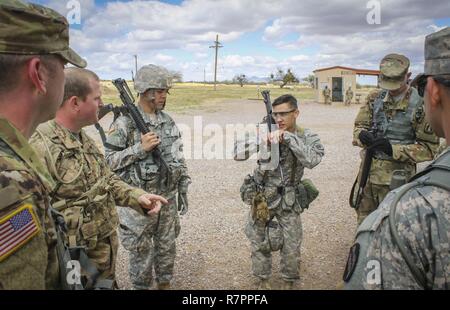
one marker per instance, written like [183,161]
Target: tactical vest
[147,170]
[436,175]
[285,183]
[92,215]
[398,128]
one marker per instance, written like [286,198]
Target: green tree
[240,79]
[287,78]
[310,79]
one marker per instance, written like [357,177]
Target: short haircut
[78,83]
[286,99]
[11,64]
[446,83]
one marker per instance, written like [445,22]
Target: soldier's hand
[149,141]
[383,145]
[276,137]
[182,203]
[366,138]
[152,202]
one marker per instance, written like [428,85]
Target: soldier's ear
[434,93]
[36,75]
[73,103]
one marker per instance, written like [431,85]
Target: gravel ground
[213,251]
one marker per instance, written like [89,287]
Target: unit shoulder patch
[351,262]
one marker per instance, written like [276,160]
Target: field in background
[186,96]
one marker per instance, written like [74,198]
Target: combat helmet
[152,77]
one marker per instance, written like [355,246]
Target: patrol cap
[437,53]
[393,68]
[32,29]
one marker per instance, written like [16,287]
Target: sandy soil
[213,252]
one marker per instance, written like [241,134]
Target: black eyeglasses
[422,82]
[282,114]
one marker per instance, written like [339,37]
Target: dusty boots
[163,286]
[264,285]
[287,285]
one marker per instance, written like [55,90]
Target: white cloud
[164,58]
[325,34]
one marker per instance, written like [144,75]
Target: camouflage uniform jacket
[87,191]
[138,167]
[298,151]
[422,221]
[405,156]
[32,264]
[349,94]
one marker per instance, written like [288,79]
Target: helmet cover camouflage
[437,53]
[152,77]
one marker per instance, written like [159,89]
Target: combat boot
[264,285]
[164,286]
[287,285]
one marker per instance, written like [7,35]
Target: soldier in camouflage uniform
[393,125]
[283,193]
[87,191]
[151,241]
[327,95]
[34,47]
[348,96]
[404,244]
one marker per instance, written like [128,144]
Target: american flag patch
[16,229]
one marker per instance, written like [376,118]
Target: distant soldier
[392,126]
[87,191]
[327,95]
[34,47]
[151,241]
[279,196]
[404,244]
[348,96]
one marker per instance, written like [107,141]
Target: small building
[338,79]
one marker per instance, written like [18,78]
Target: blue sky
[258,36]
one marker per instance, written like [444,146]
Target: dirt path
[213,252]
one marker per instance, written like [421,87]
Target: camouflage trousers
[104,256]
[151,244]
[372,196]
[291,226]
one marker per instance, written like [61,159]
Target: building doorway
[337,95]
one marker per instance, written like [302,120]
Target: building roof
[357,71]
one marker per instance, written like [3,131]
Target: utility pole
[135,62]
[204,75]
[216,46]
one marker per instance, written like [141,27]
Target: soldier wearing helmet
[150,240]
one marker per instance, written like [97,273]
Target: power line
[136,63]
[216,46]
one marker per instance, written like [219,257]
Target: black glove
[366,138]
[383,145]
[182,203]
